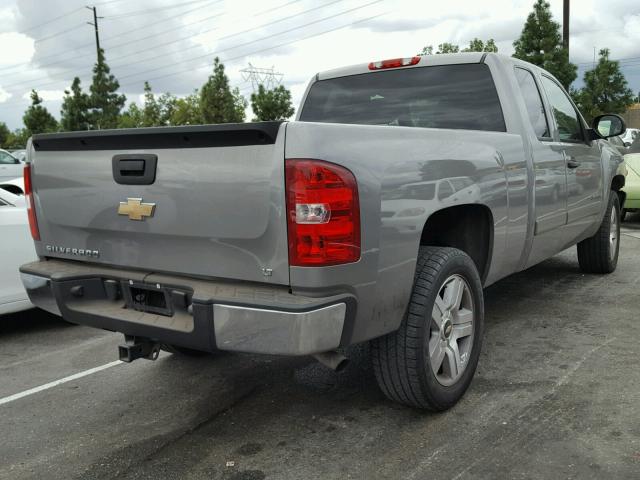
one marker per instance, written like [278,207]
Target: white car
[13,185]
[10,166]
[630,135]
[17,249]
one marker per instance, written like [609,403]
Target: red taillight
[31,207]
[323,213]
[394,63]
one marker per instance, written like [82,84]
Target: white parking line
[55,383]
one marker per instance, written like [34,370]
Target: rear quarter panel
[394,168]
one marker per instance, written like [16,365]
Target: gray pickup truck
[402,189]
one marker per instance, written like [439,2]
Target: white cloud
[4,95]
[16,48]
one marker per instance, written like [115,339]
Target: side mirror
[609,125]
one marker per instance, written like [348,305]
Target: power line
[58,34]
[245,54]
[164,32]
[621,60]
[154,47]
[227,60]
[152,10]
[55,19]
[128,42]
[66,53]
[216,39]
[249,42]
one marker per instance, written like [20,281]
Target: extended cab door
[582,157]
[550,182]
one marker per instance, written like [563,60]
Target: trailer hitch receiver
[137,347]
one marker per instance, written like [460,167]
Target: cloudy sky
[171,43]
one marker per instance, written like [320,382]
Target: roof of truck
[425,60]
[441,59]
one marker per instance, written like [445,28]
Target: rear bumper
[205,315]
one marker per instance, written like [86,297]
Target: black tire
[597,254]
[401,358]
[187,352]
[623,215]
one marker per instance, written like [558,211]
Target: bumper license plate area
[144,298]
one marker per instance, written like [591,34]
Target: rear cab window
[533,103]
[444,96]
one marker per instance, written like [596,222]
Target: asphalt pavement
[556,395]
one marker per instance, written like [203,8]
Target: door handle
[571,161]
[134,169]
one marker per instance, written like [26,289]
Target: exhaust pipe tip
[333,360]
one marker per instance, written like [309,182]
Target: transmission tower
[267,77]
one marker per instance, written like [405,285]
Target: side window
[617,141]
[445,190]
[6,159]
[567,120]
[533,102]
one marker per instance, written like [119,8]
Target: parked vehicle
[632,186]
[17,248]
[10,166]
[13,185]
[630,135]
[619,144]
[20,155]
[277,237]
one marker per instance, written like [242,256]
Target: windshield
[448,96]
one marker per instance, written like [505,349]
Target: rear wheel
[599,254]
[623,215]
[430,360]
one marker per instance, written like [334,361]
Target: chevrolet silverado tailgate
[202,200]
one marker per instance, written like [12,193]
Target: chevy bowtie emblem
[135,209]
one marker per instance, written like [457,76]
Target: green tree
[37,118]
[445,47]
[157,112]
[477,45]
[218,103]
[18,138]
[426,50]
[131,118]
[105,102]
[448,48]
[4,134]
[272,104]
[74,115]
[540,43]
[605,89]
[186,111]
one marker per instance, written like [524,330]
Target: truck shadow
[32,320]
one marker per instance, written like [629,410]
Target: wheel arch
[467,227]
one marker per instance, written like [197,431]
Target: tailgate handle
[134,169]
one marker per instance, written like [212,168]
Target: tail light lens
[31,207]
[394,63]
[323,213]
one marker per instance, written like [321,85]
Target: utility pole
[95,27]
[565,25]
